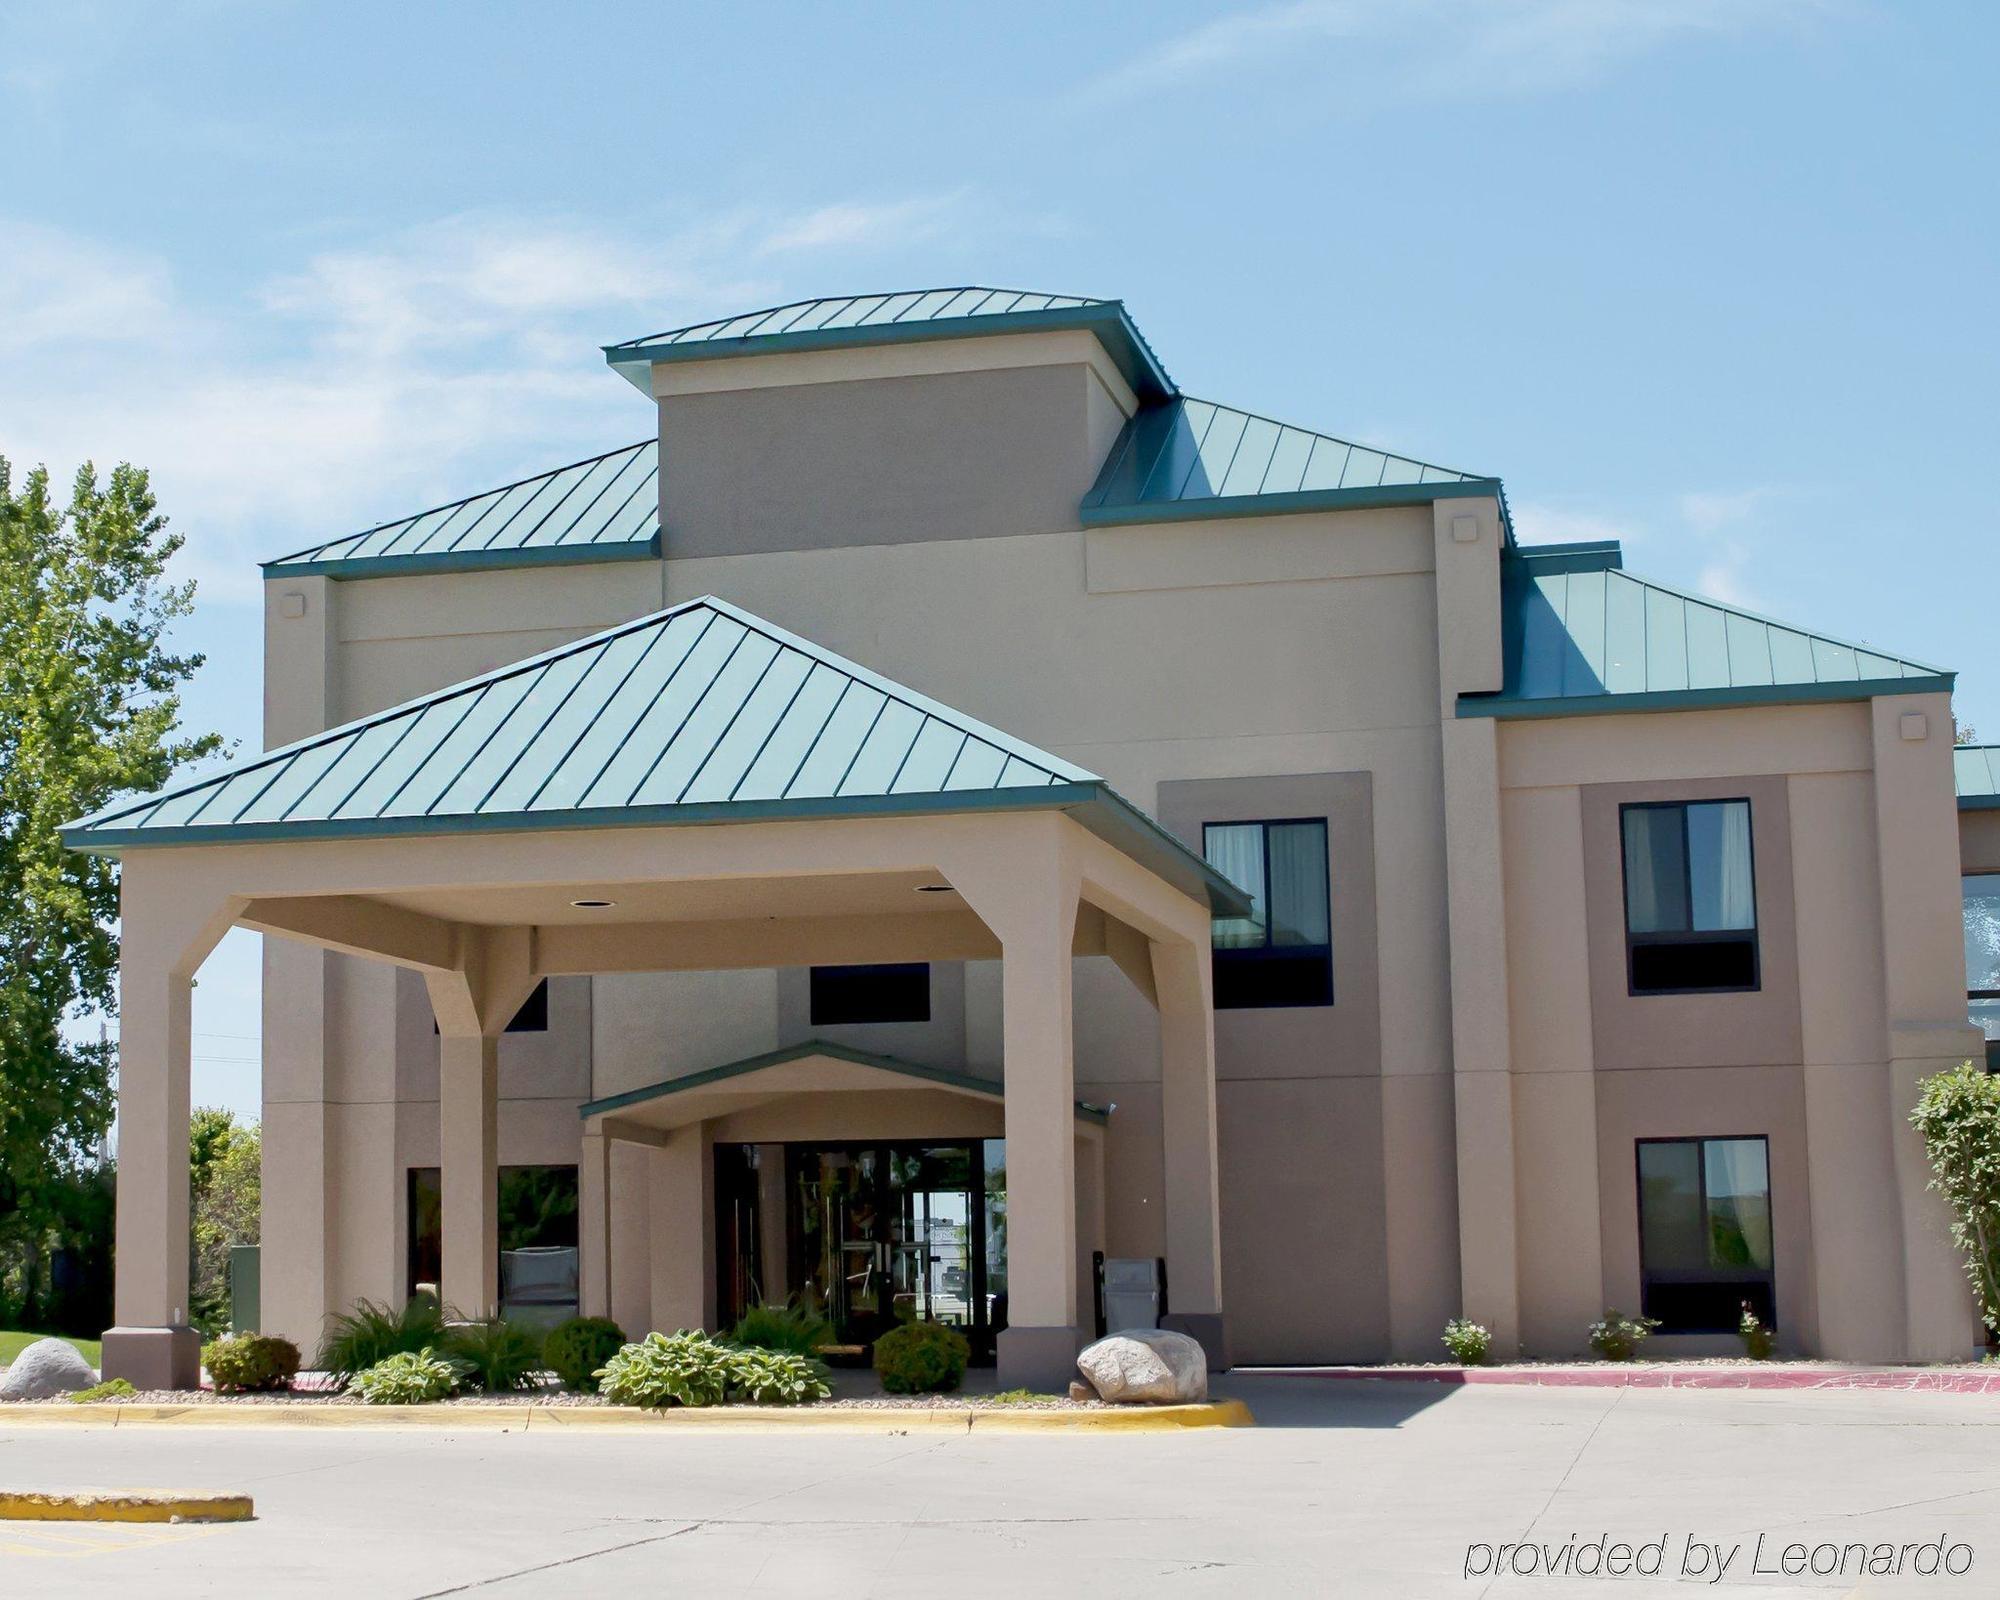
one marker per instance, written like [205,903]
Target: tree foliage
[1958,1114]
[89,709]
[225,1180]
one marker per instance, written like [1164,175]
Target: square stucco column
[1027,895]
[469,1147]
[593,1225]
[683,1230]
[152,1346]
[1182,976]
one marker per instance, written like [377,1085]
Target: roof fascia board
[1108,321]
[1215,507]
[410,566]
[1979,802]
[1594,555]
[1748,694]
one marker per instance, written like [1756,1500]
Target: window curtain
[1298,884]
[1655,871]
[1735,895]
[1739,1202]
[1236,850]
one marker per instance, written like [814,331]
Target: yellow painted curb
[114,1505]
[855,1419]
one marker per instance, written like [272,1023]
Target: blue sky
[1711,276]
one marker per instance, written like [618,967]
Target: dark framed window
[1690,897]
[1982,959]
[1705,1232]
[533,1017]
[538,1210]
[1282,953]
[893,992]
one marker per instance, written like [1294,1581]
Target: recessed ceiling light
[935,888]
[593,905]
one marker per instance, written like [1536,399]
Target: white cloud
[1424,48]
[377,376]
[1546,524]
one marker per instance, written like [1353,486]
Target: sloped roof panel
[1977,770]
[1580,634]
[604,508]
[1195,458]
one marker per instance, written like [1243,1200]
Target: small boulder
[47,1368]
[1081,1391]
[1147,1366]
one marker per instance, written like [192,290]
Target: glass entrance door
[887,1233]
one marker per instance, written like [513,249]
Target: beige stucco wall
[1455,1134]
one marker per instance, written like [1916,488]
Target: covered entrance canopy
[537,821]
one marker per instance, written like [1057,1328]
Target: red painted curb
[1909,1380]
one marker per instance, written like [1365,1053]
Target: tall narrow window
[1982,958]
[1705,1233]
[1690,897]
[1281,954]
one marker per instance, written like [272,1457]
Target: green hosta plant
[1617,1337]
[408,1378]
[372,1331]
[1958,1114]
[1470,1343]
[575,1349]
[793,1326]
[250,1361]
[689,1368]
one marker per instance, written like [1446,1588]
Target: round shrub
[575,1349]
[407,1378]
[1617,1337]
[250,1361]
[921,1358]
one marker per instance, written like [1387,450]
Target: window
[1282,953]
[1705,1233]
[1982,958]
[538,1210]
[1690,897]
[898,992]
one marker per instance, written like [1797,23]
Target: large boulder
[47,1368]
[1147,1366]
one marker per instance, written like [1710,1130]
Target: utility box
[1131,1293]
[246,1283]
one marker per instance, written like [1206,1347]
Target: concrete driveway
[1347,1489]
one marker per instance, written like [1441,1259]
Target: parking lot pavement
[1345,1489]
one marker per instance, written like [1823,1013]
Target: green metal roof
[1581,636]
[800,1052]
[1194,458]
[1977,769]
[699,713]
[604,509]
[853,321]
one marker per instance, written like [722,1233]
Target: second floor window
[1690,897]
[1982,957]
[895,992]
[1282,953]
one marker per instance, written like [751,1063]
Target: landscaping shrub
[494,1356]
[109,1389]
[575,1349]
[793,1326]
[1617,1337]
[372,1332]
[1470,1343]
[1757,1339]
[407,1378]
[250,1361]
[1958,1114]
[689,1368]
[921,1358]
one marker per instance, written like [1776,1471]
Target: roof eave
[547,555]
[1216,507]
[1115,330]
[1514,707]
[1979,802]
